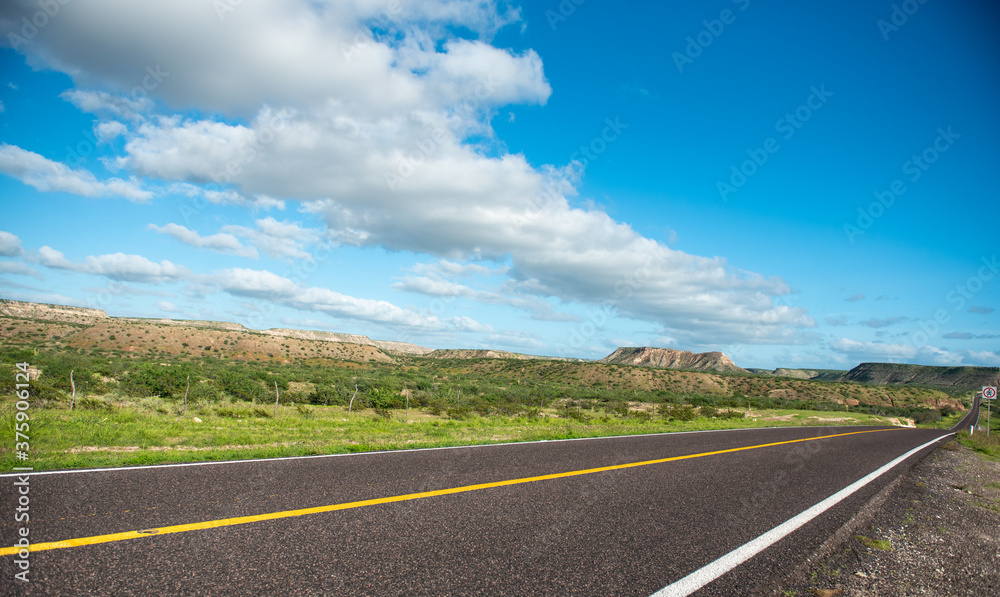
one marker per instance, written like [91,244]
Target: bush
[241,386]
[678,413]
[729,414]
[459,413]
[708,411]
[325,396]
[926,416]
[383,397]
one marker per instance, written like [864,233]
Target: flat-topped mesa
[968,378]
[400,347]
[668,358]
[46,312]
[485,353]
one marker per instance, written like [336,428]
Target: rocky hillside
[817,374]
[79,328]
[968,378]
[46,312]
[668,358]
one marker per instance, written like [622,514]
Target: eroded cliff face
[668,358]
[971,378]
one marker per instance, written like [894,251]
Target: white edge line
[701,577]
[377,452]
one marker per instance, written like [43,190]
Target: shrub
[325,395]
[232,412]
[729,414]
[678,413]
[708,411]
[459,413]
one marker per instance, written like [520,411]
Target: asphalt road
[621,531]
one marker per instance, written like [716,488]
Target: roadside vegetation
[985,445]
[132,409]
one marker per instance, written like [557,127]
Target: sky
[807,184]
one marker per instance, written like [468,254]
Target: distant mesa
[969,378]
[482,353]
[399,347]
[668,358]
[813,374]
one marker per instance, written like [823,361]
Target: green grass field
[122,432]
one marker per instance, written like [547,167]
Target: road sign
[989,392]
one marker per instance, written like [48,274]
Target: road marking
[701,577]
[211,524]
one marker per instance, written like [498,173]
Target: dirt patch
[937,533]
[129,449]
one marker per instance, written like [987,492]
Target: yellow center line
[224,522]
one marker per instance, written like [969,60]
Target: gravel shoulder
[937,532]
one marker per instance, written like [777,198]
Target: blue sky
[812,185]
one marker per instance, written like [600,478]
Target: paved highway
[615,516]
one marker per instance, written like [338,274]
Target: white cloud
[450,269]
[103,103]
[221,242]
[10,244]
[20,269]
[278,239]
[289,52]
[370,133]
[168,307]
[896,353]
[267,286]
[536,307]
[107,131]
[467,324]
[116,266]
[227,197]
[984,358]
[46,175]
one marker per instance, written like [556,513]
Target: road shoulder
[937,533]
